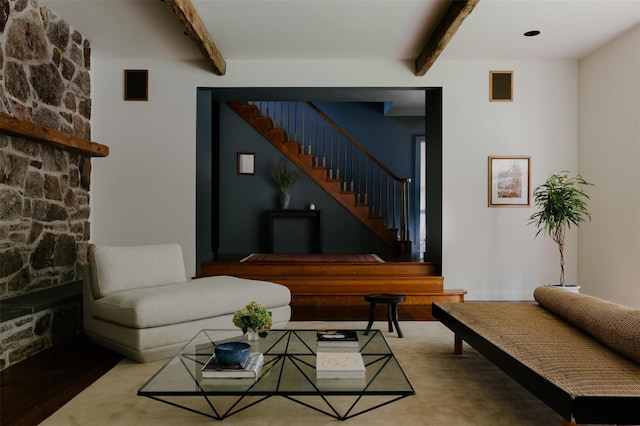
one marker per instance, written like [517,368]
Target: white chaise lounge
[138,302]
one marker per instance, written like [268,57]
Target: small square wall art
[509,181]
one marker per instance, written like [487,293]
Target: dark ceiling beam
[189,18]
[457,11]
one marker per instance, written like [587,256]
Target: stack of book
[340,365]
[337,339]
[251,368]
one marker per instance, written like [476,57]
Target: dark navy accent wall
[206,205]
[433,184]
[246,199]
[390,139]
[232,209]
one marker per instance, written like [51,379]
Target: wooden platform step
[256,269]
[335,291]
[352,307]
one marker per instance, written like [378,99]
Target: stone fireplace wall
[44,191]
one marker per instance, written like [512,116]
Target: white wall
[491,252]
[609,102]
[144,192]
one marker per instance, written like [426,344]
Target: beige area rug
[451,390]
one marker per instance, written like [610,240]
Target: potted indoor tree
[284,177]
[561,202]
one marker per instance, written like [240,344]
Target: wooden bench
[576,374]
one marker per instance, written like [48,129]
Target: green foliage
[283,175]
[254,316]
[561,202]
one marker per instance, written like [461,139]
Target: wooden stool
[392,301]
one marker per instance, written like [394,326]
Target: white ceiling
[353,29]
[570,29]
[319,29]
[350,29]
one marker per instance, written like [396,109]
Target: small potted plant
[561,202]
[285,178]
[254,319]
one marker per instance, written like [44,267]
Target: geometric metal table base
[288,372]
[329,410]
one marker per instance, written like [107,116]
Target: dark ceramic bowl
[233,352]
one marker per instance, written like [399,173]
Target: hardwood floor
[33,389]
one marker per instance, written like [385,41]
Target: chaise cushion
[616,326]
[176,303]
[115,269]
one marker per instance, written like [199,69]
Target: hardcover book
[337,338]
[340,365]
[251,368]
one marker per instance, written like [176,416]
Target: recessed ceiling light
[531,33]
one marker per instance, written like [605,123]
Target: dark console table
[313,215]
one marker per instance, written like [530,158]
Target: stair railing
[345,160]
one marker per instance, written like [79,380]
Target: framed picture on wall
[509,181]
[246,163]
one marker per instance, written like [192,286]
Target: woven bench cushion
[553,348]
[616,326]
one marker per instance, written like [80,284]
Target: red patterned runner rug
[313,258]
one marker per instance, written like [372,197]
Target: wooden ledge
[22,128]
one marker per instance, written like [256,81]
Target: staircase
[337,162]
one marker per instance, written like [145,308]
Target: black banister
[353,141]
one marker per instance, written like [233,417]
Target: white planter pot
[284,200]
[575,288]
[252,336]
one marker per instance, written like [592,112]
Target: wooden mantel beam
[13,126]
[189,18]
[445,30]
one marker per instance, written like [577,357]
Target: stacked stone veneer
[44,191]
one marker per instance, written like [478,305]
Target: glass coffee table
[288,372]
